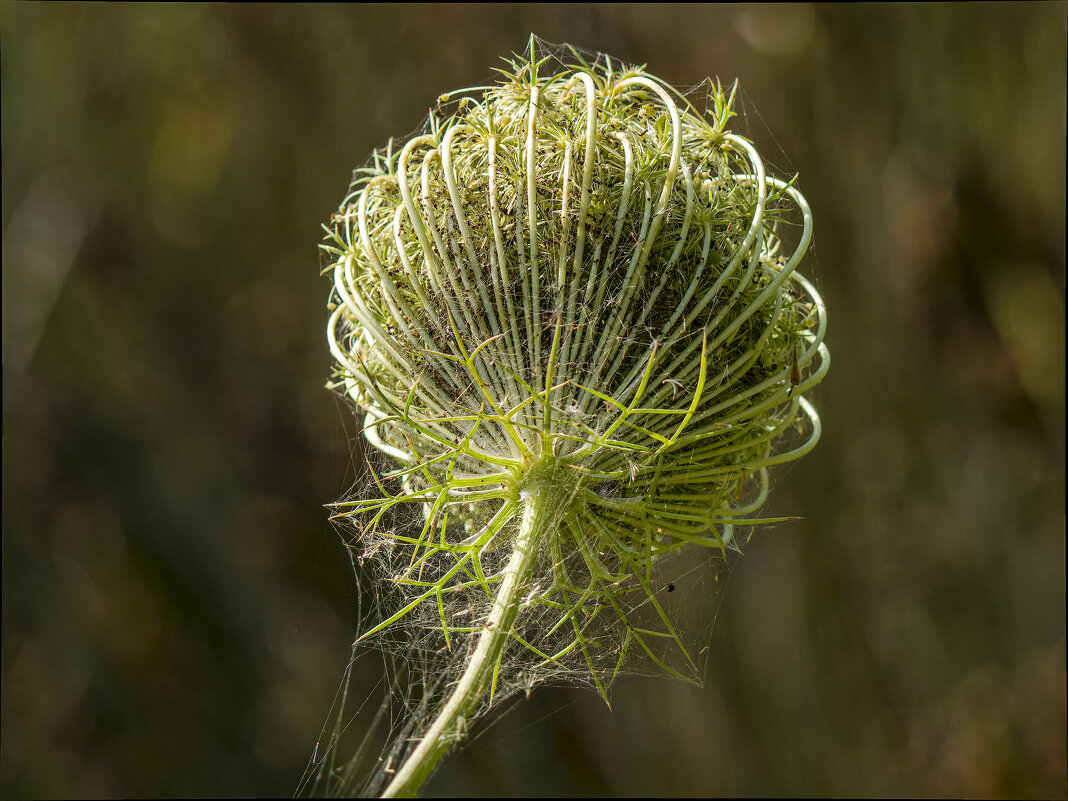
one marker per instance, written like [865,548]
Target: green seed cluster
[572,276]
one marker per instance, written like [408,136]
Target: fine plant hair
[569,318]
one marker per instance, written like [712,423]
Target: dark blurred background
[177,609]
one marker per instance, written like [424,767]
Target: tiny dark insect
[795,374]
[671,588]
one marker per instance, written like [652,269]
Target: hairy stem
[541,511]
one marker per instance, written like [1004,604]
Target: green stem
[541,511]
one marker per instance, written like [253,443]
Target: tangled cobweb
[572,287]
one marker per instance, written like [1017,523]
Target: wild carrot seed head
[572,276]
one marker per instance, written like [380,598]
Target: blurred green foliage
[176,608]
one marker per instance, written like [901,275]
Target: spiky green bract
[575,277]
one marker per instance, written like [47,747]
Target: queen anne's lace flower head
[571,287]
